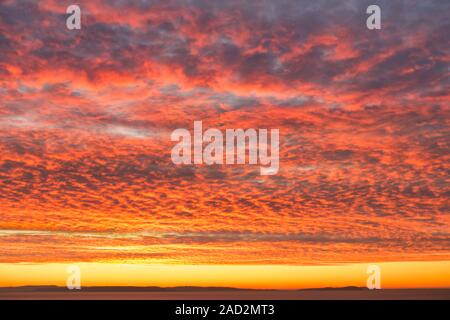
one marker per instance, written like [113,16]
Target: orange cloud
[86,116]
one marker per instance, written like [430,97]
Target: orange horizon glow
[394,275]
[86,118]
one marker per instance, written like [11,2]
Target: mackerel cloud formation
[86,117]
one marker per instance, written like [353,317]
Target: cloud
[86,116]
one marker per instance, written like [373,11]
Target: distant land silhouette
[47,288]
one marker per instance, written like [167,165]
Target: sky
[85,153]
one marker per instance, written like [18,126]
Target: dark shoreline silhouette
[51,288]
[216,293]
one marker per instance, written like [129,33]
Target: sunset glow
[86,116]
[395,275]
